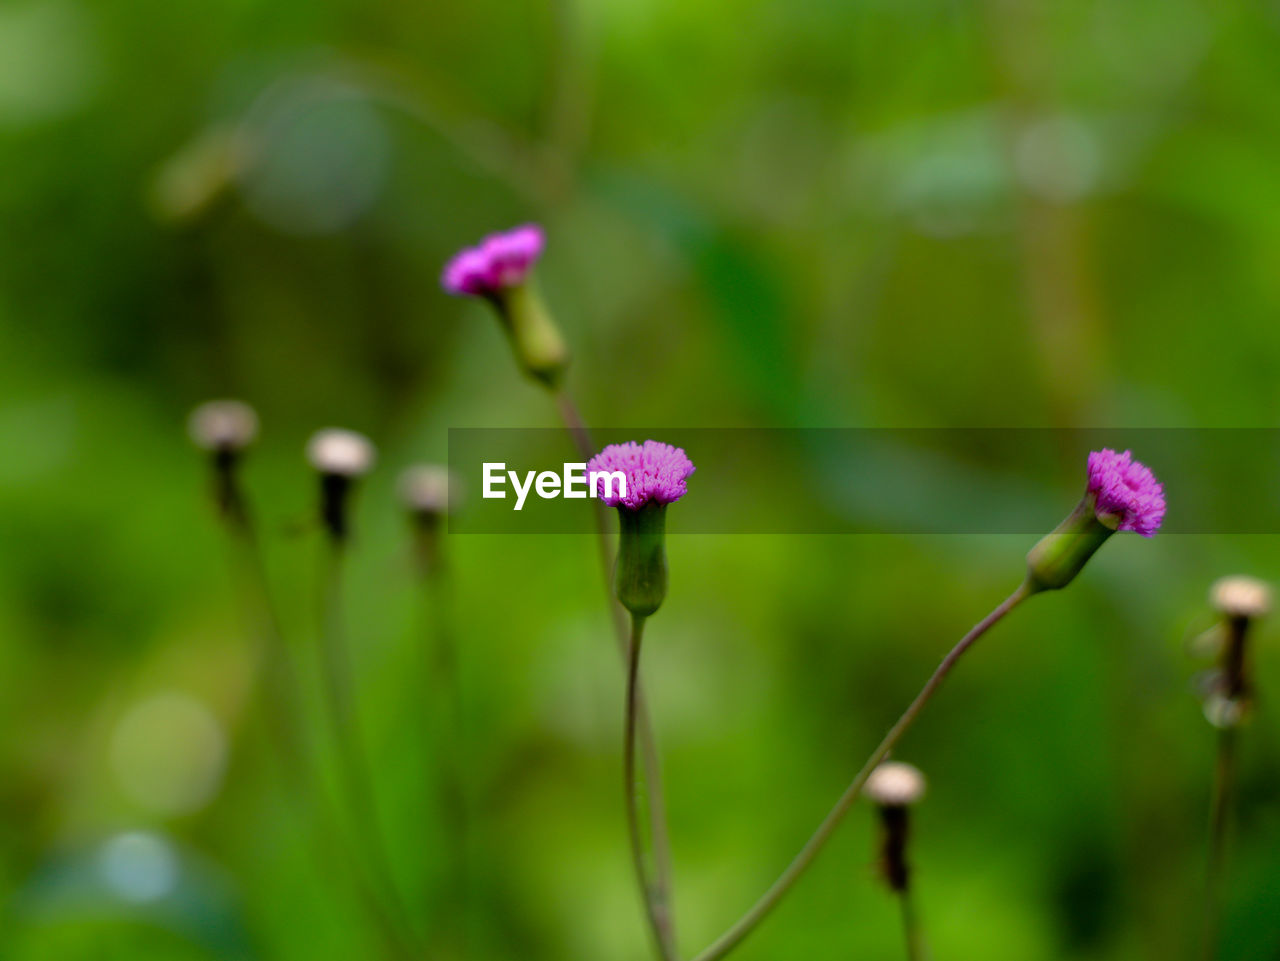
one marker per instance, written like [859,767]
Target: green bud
[539,348]
[200,174]
[1062,554]
[640,578]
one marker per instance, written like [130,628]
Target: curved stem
[655,910]
[769,900]
[658,832]
[1219,811]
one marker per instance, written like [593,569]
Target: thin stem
[574,424]
[658,831]
[440,663]
[1219,816]
[769,900]
[354,770]
[283,699]
[656,913]
[911,929]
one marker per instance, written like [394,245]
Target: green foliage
[785,214]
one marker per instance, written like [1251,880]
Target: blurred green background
[779,214]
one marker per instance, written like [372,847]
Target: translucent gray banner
[884,481]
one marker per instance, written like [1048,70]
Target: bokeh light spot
[168,753]
[138,867]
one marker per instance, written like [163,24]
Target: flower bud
[1061,555]
[200,174]
[499,270]
[1122,495]
[640,480]
[538,345]
[640,578]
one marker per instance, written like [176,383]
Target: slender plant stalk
[656,910]
[769,900]
[1219,817]
[911,930]
[283,692]
[355,774]
[283,701]
[440,663]
[658,832]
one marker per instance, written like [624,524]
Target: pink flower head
[1126,489]
[654,472]
[501,260]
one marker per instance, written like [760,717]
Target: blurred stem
[1068,326]
[656,909]
[355,774]
[440,663]
[911,929]
[1219,815]
[769,900]
[407,88]
[658,831]
[283,702]
[567,120]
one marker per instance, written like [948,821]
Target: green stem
[443,688]
[283,702]
[769,900]
[657,913]
[283,706]
[911,929]
[1219,816]
[658,831]
[354,771]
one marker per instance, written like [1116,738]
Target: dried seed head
[424,489]
[341,453]
[1240,596]
[223,425]
[895,784]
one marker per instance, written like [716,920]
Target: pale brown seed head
[895,784]
[223,425]
[425,489]
[343,453]
[1240,596]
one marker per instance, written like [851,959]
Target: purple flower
[654,472]
[1126,489]
[501,261]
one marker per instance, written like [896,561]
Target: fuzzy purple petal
[1127,489]
[500,261]
[654,472]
